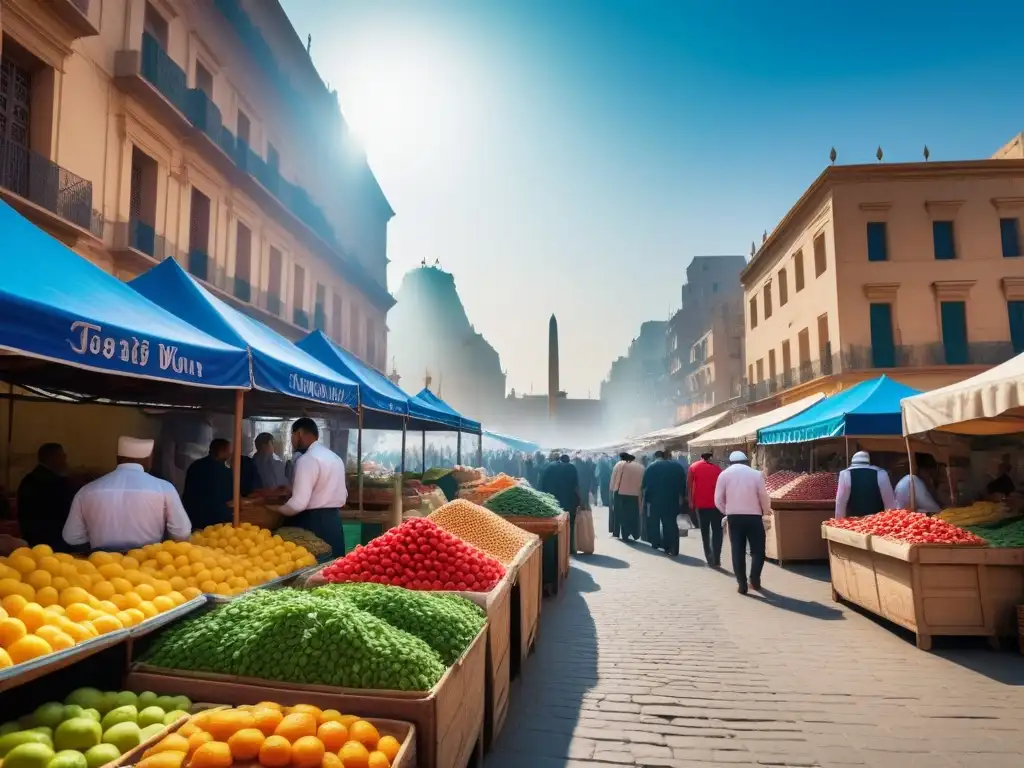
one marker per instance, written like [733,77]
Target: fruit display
[269,735]
[978,513]
[523,500]
[447,623]
[418,554]
[1003,534]
[483,529]
[778,480]
[481,490]
[305,539]
[224,560]
[465,475]
[51,602]
[297,636]
[908,527]
[89,729]
[818,486]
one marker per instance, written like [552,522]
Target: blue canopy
[56,306]
[867,409]
[444,413]
[277,364]
[515,443]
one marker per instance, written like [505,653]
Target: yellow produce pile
[233,559]
[483,529]
[978,513]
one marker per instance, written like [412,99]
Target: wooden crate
[793,531]
[547,528]
[132,756]
[931,590]
[497,604]
[449,718]
[527,594]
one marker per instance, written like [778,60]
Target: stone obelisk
[552,366]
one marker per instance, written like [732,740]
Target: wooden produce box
[527,594]
[931,590]
[133,756]
[793,530]
[547,528]
[497,604]
[449,718]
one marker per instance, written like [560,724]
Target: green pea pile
[523,500]
[1001,534]
[297,636]
[447,623]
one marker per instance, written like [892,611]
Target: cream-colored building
[716,360]
[199,129]
[915,270]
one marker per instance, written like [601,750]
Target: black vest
[865,498]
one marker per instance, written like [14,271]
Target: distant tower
[552,365]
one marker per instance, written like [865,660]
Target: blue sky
[571,156]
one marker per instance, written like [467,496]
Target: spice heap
[483,529]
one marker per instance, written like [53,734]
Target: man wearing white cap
[127,508]
[741,496]
[863,489]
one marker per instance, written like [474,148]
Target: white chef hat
[737,456]
[861,457]
[134,448]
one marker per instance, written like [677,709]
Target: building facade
[633,395]
[135,130]
[716,361]
[915,270]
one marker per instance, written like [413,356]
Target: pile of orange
[273,736]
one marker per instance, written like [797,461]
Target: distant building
[633,394]
[716,361]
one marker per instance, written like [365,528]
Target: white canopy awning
[745,431]
[991,403]
[673,435]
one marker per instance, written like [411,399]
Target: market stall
[800,503]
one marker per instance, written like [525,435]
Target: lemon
[27,648]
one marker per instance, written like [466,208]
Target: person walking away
[318,487]
[650,526]
[741,496]
[561,480]
[209,487]
[268,464]
[126,508]
[664,491]
[584,526]
[44,499]
[604,481]
[923,481]
[702,479]
[626,481]
[863,489]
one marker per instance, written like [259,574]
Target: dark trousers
[627,516]
[652,526]
[572,533]
[710,522]
[746,530]
[325,524]
[669,530]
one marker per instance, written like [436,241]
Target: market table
[554,535]
[931,590]
[793,530]
[527,595]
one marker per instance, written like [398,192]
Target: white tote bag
[585,531]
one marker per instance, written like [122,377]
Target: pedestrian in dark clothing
[585,472]
[44,499]
[209,487]
[701,479]
[650,528]
[604,480]
[664,493]
[561,480]
[626,482]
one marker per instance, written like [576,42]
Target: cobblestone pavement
[647,661]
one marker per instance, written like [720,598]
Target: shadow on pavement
[809,608]
[602,561]
[814,571]
[550,693]
[971,653]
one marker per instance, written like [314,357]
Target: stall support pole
[423,454]
[402,470]
[10,435]
[359,462]
[847,450]
[910,462]
[458,448]
[480,449]
[236,460]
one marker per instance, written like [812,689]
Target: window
[767,300]
[155,25]
[820,260]
[273,159]
[877,242]
[883,348]
[354,328]
[803,341]
[204,80]
[771,364]
[142,203]
[320,309]
[1016,310]
[760,370]
[1009,230]
[787,360]
[714,287]
[243,263]
[244,127]
[942,237]
[750,373]
[954,331]
[798,270]
[824,347]
[753,313]
[274,282]
[199,234]
[371,342]
[299,316]
[336,307]
[783,288]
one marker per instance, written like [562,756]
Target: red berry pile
[820,486]
[418,555]
[777,480]
[909,527]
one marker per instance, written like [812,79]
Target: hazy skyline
[571,157]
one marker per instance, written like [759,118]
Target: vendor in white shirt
[741,496]
[318,487]
[863,489]
[127,508]
[923,480]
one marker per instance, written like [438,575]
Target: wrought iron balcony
[46,185]
[75,15]
[300,317]
[243,290]
[199,264]
[319,318]
[160,70]
[204,114]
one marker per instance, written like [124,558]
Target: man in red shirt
[700,482]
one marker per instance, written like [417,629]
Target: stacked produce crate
[800,503]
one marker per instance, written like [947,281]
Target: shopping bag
[585,531]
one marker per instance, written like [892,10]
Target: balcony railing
[142,237]
[300,317]
[199,264]
[204,114]
[243,290]
[319,318]
[166,76]
[33,177]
